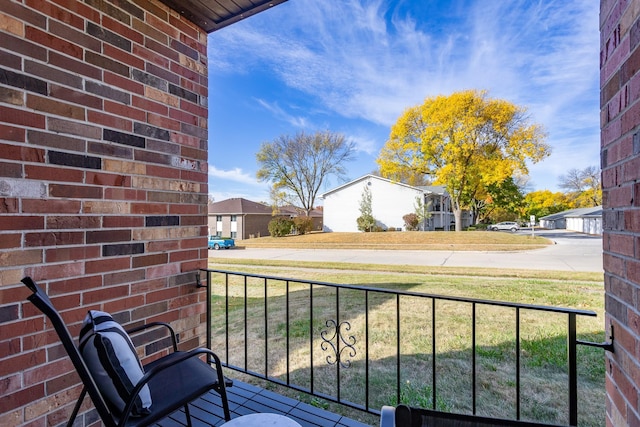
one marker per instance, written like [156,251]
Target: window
[218,218]
[233,218]
[234,234]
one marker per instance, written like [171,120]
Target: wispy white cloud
[365,144]
[235,174]
[370,59]
[357,62]
[281,114]
[236,183]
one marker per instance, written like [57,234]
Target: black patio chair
[174,380]
[406,416]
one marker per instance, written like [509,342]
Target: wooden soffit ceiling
[211,15]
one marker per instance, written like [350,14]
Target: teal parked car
[216,243]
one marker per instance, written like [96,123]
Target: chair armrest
[164,364]
[388,416]
[150,325]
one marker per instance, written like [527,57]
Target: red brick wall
[620,159]
[103,182]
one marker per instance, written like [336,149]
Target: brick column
[103,183]
[620,161]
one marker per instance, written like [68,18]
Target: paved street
[571,252]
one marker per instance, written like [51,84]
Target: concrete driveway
[570,252]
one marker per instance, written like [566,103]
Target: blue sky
[353,66]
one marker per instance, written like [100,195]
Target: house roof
[211,15]
[592,211]
[239,206]
[440,190]
[296,211]
[586,212]
[429,189]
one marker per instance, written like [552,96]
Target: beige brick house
[239,219]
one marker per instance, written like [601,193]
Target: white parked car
[505,225]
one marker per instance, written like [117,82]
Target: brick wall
[620,161]
[103,182]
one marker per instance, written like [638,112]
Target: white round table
[262,420]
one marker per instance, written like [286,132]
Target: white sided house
[390,201]
[583,220]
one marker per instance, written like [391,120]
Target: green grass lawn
[411,240]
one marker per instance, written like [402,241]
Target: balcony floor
[248,399]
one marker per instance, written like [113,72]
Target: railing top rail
[563,310]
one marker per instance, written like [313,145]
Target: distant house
[586,220]
[316,215]
[239,218]
[390,201]
[554,221]
[583,220]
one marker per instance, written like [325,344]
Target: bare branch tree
[301,164]
[584,185]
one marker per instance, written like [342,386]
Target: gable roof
[440,190]
[363,178]
[238,206]
[592,211]
[429,189]
[296,211]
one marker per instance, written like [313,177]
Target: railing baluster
[288,332]
[433,353]
[266,331]
[311,334]
[246,325]
[209,288]
[517,363]
[366,350]
[226,315]
[398,379]
[473,357]
[572,355]
[338,340]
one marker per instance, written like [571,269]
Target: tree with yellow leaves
[464,141]
[544,202]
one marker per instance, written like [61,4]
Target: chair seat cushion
[177,384]
[111,358]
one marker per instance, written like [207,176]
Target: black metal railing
[365,347]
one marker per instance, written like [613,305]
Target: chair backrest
[41,300]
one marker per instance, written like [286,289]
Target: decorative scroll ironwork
[347,349]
